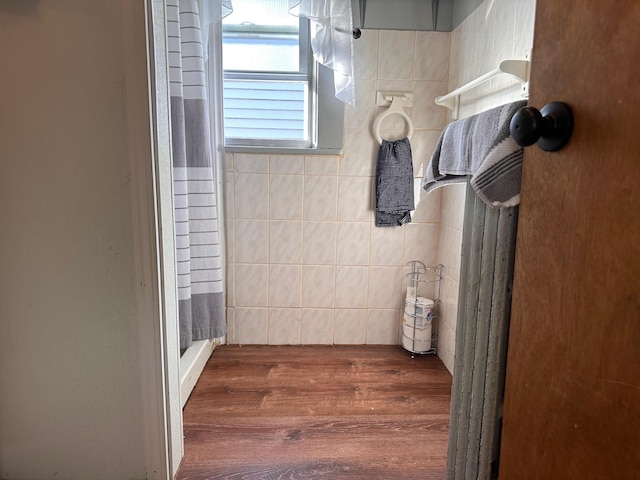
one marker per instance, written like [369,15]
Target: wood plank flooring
[325,412]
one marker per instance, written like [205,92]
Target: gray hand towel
[480,146]
[394,184]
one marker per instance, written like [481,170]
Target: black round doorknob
[549,128]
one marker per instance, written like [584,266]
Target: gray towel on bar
[394,184]
[480,146]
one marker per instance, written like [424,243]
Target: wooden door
[572,406]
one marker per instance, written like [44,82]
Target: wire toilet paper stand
[420,318]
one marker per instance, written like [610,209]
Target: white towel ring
[397,109]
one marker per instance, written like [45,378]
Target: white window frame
[325,112]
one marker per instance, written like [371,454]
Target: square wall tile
[428,205]
[522,47]
[320,197]
[318,286]
[284,285]
[321,164]
[286,164]
[317,326]
[251,163]
[450,251]
[360,152]
[363,113]
[251,195]
[383,327]
[228,160]
[426,113]
[432,56]
[486,27]
[353,243]
[285,197]
[319,243]
[250,241]
[284,326]
[505,22]
[453,204]
[396,54]
[395,85]
[285,242]
[423,143]
[525,15]
[484,64]
[355,199]
[350,327]
[446,346]
[421,243]
[385,288]
[365,55]
[252,285]
[351,287]
[386,245]
[449,289]
[251,326]
[467,59]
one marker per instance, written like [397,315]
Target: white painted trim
[149,316]
[148,123]
[192,363]
[161,127]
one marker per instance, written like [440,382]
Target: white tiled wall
[497,30]
[306,263]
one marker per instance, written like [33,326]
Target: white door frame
[148,117]
[165,239]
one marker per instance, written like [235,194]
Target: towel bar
[519,69]
[396,108]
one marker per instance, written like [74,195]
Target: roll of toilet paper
[416,339]
[419,322]
[420,306]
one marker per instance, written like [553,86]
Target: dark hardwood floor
[326,412]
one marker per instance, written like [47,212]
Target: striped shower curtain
[197,225]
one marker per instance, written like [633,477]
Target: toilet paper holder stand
[420,329]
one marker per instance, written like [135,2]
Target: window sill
[285,151]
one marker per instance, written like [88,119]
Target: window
[272,85]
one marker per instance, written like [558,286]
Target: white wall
[71,404]
[497,30]
[307,265]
